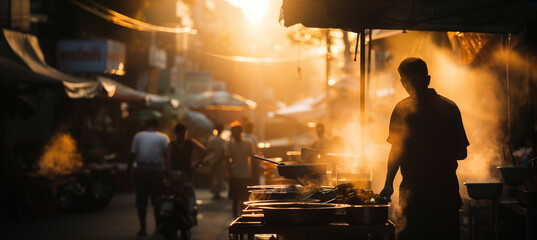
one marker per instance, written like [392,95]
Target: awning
[486,16]
[26,48]
[309,109]
[120,92]
[22,61]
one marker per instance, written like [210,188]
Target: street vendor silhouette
[427,138]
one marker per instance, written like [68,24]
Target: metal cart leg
[494,220]
[470,219]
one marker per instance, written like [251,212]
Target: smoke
[478,90]
[60,156]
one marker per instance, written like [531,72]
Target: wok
[294,171]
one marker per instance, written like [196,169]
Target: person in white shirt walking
[240,151]
[148,150]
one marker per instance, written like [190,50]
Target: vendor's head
[236,130]
[180,131]
[151,125]
[414,75]
[319,129]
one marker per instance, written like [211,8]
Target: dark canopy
[490,16]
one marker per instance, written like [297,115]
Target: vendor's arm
[395,137]
[394,162]
[168,158]
[134,150]
[198,146]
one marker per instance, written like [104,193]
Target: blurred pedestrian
[321,142]
[179,163]
[148,150]
[240,151]
[256,165]
[216,161]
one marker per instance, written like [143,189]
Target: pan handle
[268,160]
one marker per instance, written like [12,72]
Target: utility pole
[327,96]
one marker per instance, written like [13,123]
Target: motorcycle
[178,209]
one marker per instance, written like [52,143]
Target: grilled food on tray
[347,193]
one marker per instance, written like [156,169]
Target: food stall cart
[312,211]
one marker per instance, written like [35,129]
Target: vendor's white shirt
[240,153]
[149,147]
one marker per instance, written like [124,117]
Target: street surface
[118,221]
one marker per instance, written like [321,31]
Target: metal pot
[517,175]
[299,213]
[484,190]
[294,171]
[367,214]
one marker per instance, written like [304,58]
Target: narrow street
[118,221]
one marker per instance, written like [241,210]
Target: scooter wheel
[170,233]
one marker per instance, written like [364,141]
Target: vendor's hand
[387,191]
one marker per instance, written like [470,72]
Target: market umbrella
[144,115]
[198,124]
[219,100]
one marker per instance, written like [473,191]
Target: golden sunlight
[254,10]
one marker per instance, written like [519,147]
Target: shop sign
[91,56]
[157,57]
[198,82]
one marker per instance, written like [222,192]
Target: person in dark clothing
[322,141]
[216,160]
[427,137]
[256,165]
[179,164]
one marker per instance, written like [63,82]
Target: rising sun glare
[254,10]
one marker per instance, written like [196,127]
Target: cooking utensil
[298,213]
[484,190]
[517,175]
[525,197]
[294,171]
[367,214]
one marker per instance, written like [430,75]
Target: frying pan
[294,171]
